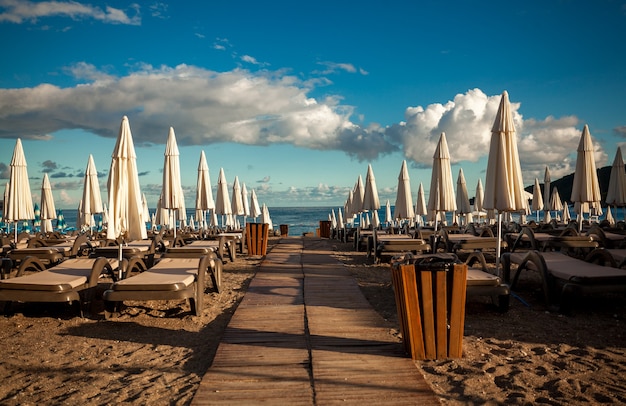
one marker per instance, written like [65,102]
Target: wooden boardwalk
[304,334]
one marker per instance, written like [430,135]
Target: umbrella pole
[498,242]
[119,264]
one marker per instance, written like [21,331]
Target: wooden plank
[457,310]
[428,315]
[441,311]
[413,314]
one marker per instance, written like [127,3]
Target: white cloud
[266,107]
[334,67]
[19,11]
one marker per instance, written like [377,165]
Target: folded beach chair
[73,280]
[179,274]
[564,277]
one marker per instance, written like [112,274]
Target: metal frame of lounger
[165,282]
[560,283]
[73,280]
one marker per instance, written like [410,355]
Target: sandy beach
[157,353]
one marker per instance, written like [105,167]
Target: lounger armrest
[30,263]
[100,266]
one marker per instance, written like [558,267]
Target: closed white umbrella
[609,216]
[504,186]
[537,198]
[478,199]
[125,211]
[333,219]
[19,205]
[546,195]
[92,199]
[462,197]
[340,223]
[357,197]
[616,193]
[442,196]
[375,219]
[420,205]
[173,198]
[555,200]
[586,188]
[371,201]
[236,203]
[48,210]
[403,208]
[347,208]
[566,216]
[388,216]
[245,201]
[255,210]
[222,202]
[145,210]
[204,194]
[162,214]
[265,217]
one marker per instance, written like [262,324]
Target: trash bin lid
[435,262]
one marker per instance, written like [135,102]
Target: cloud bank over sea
[266,107]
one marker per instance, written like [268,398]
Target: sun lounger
[606,239]
[390,245]
[564,277]
[69,247]
[73,280]
[177,275]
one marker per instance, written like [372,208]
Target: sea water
[300,220]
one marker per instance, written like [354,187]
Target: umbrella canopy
[333,219]
[546,192]
[370,195]
[555,200]
[616,194]
[403,208]
[173,198]
[244,200]
[145,211]
[222,203]
[442,196]
[358,196]
[566,215]
[125,209]
[340,223]
[204,194]
[585,189]
[388,216]
[537,198]
[479,198]
[462,196]
[48,210]
[92,200]
[255,210]
[420,205]
[236,202]
[504,186]
[19,203]
[265,216]
[609,216]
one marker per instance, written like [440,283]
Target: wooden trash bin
[284,230]
[430,299]
[256,238]
[325,229]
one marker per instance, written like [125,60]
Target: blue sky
[296,99]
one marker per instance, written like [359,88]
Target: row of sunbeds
[148,270]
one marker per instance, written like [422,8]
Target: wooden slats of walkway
[305,335]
